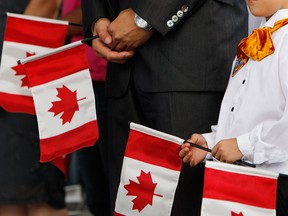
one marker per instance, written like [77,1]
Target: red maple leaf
[144,191]
[20,71]
[235,214]
[68,104]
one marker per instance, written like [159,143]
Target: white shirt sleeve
[210,139]
[255,148]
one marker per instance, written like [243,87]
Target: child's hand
[193,155]
[227,151]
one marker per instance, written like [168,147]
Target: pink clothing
[97,66]
[69,5]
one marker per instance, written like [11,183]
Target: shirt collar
[280,14]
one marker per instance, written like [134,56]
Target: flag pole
[75,24]
[89,38]
[238,162]
[21,61]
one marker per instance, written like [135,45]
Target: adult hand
[125,34]
[193,155]
[102,44]
[227,151]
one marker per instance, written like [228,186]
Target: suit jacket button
[170,23]
[180,13]
[174,18]
[184,8]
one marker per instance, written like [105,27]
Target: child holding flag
[253,120]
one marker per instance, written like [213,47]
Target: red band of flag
[234,189]
[56,66]
[117,214]
[159,151]
[10,102]
[67,142]
[35,32]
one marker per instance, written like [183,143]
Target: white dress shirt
[255,106]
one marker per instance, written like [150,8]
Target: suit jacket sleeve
[92,10]
[158,12]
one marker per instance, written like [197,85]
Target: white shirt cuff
[210,139]
[245,146]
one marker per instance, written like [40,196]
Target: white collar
[280,14]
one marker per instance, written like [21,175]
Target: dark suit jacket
[195,54]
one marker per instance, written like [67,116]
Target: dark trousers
[282,196]
[93,161]
[176,113]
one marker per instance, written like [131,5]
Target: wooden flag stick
[239,162]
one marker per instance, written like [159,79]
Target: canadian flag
[150,173]
[238,191]
[63,95]
[25,36]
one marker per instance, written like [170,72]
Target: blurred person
[27,187]
[90,162]
[42,8]
[168,66]
[48,9]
